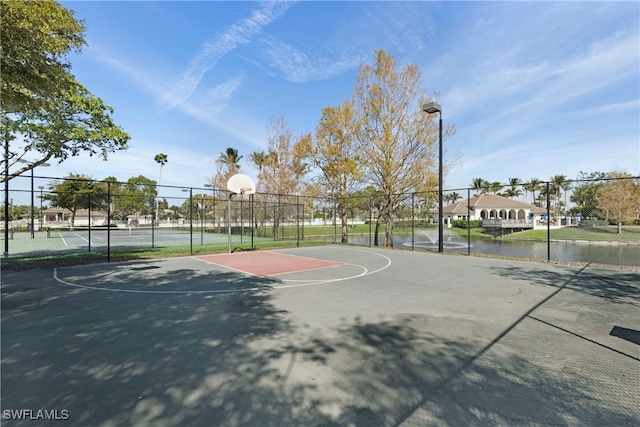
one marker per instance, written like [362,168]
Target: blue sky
[534,89]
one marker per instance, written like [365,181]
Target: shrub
[593,222]
[463,223]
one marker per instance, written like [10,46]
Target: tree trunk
[388,233]
[376,232]
[345,226]
[276,224]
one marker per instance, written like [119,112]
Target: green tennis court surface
[369,337]
[82,240]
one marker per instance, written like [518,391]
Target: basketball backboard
[241,184]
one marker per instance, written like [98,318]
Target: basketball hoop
[237,184]
[241,184]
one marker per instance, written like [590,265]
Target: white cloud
[208,105]
[211,51]
[299,67]
[516,101]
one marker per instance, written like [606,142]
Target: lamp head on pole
[432,107]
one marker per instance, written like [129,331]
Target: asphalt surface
[389,338]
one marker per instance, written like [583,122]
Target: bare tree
[334,152]
[284,168]
[397,142]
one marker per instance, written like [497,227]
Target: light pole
[430,108]
[33,166]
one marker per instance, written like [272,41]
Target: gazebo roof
[489,201]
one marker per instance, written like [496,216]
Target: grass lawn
[630,234]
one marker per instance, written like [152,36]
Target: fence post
[6,198]
[108,221]
[89,228]
[548,224]
[370,217]
[154,203]
[413,231]
[468,221]
[335,221]
[298,220]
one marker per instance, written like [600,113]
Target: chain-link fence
[595,220]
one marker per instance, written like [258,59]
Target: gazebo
[495,211]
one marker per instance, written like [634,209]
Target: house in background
[496,212]
[61,217]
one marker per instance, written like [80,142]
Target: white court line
[63,241]
[77,235]
[135,291]
[366,272]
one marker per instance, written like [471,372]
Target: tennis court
[319,336]
[131,236]
[82,239]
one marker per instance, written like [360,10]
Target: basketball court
[318,336]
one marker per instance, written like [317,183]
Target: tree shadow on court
[116,358]
[413,369]
[621,287]
[236,359]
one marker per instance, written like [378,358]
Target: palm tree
[495,186]
[162,159]
[453,197]
[513,190]
[533,185]
[559,183]
[259,158]
[231,159]
[477,184]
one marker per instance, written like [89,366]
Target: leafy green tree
[76,192]
[45,112]
[584,195]
[132,197]
[36,38]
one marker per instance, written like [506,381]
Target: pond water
[604,253]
